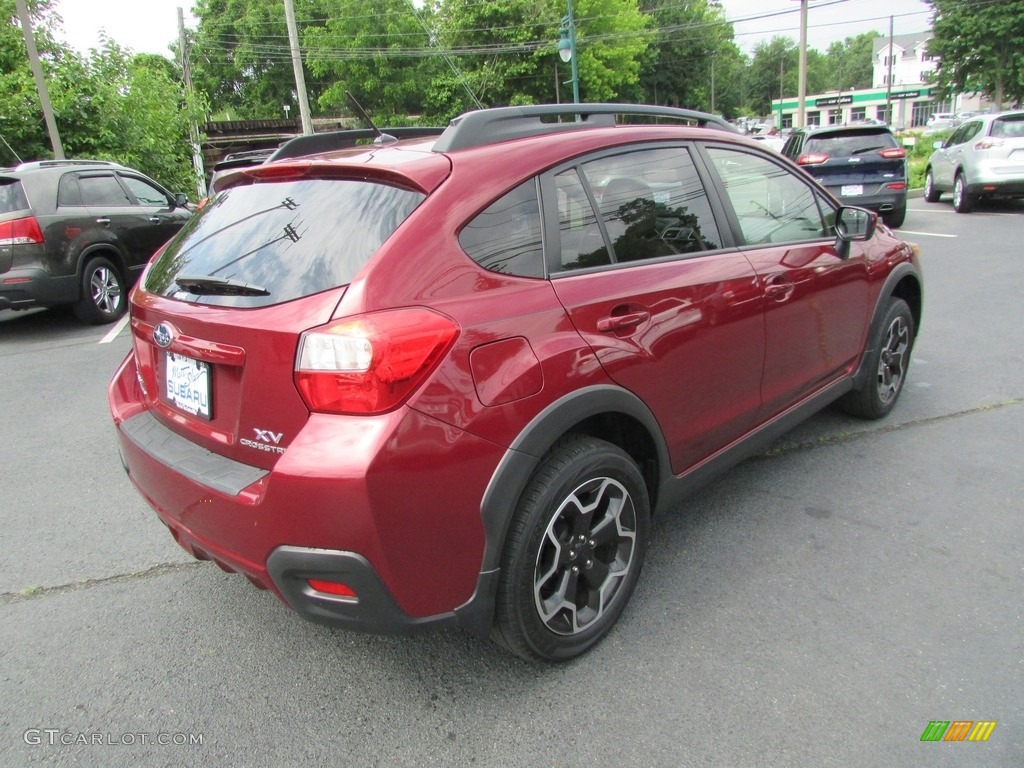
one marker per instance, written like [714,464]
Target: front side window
[506,236]
[145,192]
[273,242]
[771,203]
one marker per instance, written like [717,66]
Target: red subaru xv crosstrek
[448,380]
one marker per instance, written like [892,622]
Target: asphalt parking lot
[819,605]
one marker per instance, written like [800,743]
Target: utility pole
[300,77]
[37,72]
[193,130]
[888,82]
[802,75]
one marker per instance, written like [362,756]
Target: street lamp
[567,51]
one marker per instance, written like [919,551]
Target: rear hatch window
[267,243]
[850,143]
[1009,127]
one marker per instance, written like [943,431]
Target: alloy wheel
[892,363]
[106,290]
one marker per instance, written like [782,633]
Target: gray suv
[78,232]
[982,159]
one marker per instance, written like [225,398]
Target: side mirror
[181,200]
[936,145]
[853,225]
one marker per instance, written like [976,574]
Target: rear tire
[103,294]
[888,366]
[895,217]
[931,194]
[962,201]
[574,551]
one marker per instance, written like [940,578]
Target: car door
[815,297]
[950,157]
[158,217]
[672,311]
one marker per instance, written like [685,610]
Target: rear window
[1011,126]
[12,196]
[849,143]
[287,238]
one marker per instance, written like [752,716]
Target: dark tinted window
[848,143]
[581,242]
[506,237]
[292,238]
[653,204]
[102,191]
[12,196]
[68,192]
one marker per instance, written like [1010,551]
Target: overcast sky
[149,26]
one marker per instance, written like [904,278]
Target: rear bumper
[28,288]
[389,505]
[997,188]
[880,202]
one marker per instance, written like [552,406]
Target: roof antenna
[382,138]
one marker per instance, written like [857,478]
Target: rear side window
[288,238]
[12,196]
[849,143]
[506,237]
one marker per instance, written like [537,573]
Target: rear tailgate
[855,162]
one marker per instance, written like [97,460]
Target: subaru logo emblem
[163,335]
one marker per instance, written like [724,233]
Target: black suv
[860,164]
[79,232]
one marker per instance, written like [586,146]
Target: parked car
[78,232]
[860,164]
[769,140]
[983,159]
[940,121]
[447,381]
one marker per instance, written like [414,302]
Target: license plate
[188,385]
[851,190]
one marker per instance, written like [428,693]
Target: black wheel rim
[106,290]
[585,556]
[892,365]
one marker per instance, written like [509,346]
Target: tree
[981,48]
[773,73]
[849,64]
[693,50]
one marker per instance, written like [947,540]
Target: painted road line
[113,332]
[922,234]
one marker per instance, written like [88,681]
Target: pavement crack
[782,447]
[35,593]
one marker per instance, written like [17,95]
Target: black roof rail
[487,126]
[331,141]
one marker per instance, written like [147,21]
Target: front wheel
[931,194]
[962,201]
[890,361]
[574,551]
[103,296]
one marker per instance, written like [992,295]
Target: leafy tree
[693,47]
[240,56]
[849,64]
[773,73]
[981,46]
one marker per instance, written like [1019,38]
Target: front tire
[889,363]
[103,295]
[962,201]
[931,194]
[574,551]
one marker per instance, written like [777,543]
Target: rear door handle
[103,221]
[154,219]
[622,322]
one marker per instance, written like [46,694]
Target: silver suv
[982,159]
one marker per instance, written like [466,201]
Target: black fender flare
[518,465]
[895,277]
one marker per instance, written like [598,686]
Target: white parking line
[113,332]
[922,234]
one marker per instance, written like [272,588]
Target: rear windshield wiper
[206,285]
[862,150]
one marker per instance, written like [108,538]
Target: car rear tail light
[896,185]
[812,158]
[332,588]
[21,232]
[370,363]
[893,153]
[989,143]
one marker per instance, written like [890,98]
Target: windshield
[289,238]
